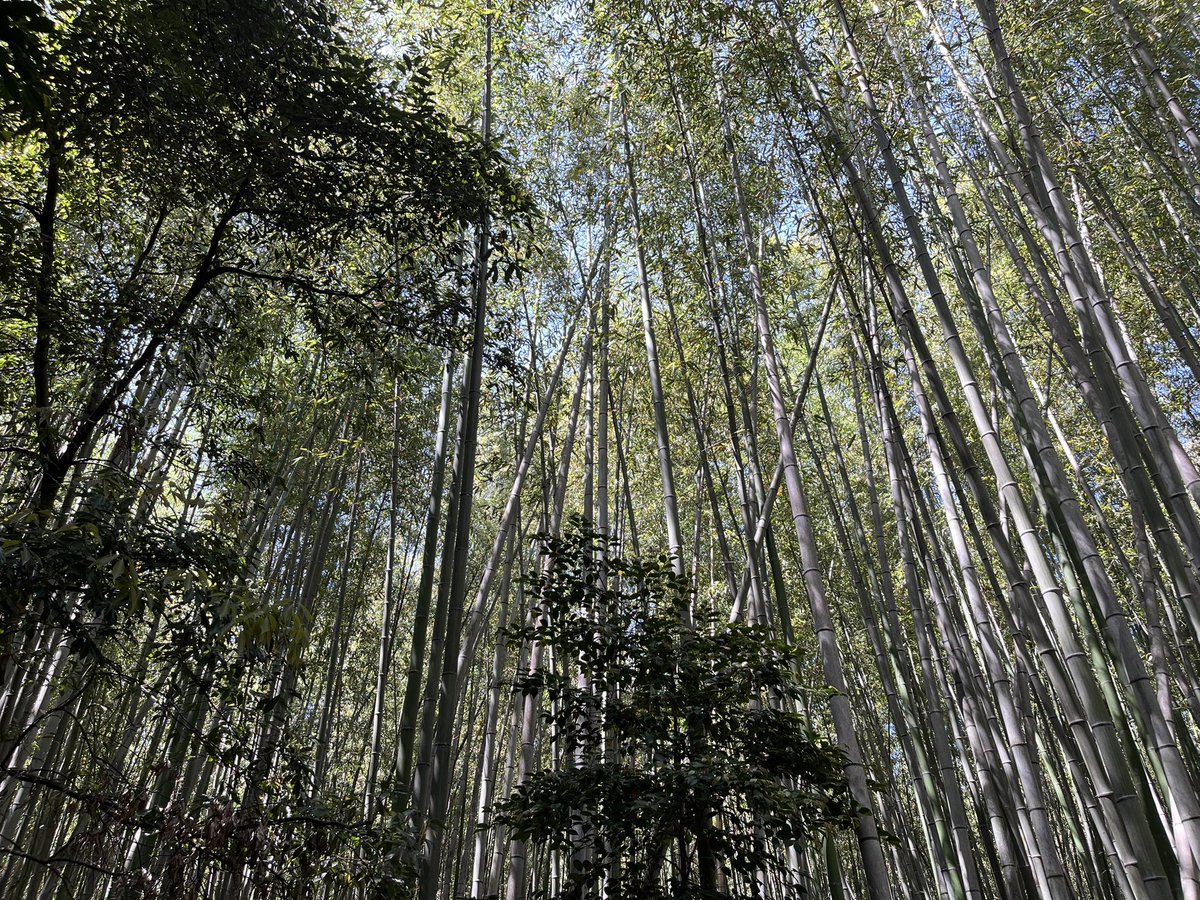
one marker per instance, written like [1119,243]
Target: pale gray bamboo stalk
[661,430]
[831,658]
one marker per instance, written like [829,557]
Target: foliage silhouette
[681,736]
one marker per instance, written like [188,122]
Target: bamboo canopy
[379,380]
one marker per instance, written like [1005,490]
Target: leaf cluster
[673,728]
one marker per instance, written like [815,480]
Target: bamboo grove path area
[600,449]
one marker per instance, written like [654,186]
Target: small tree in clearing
[680,767]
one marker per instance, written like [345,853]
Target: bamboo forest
[599,449]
